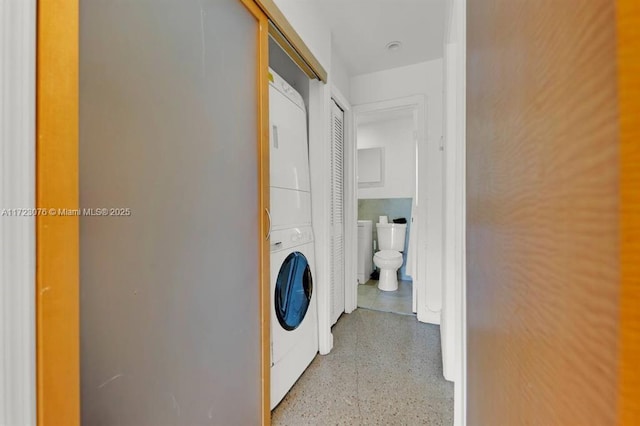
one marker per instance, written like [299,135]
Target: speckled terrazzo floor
[385,369]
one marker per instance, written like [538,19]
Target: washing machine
[294,312]
[288,156]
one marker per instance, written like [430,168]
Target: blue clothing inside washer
[293,291]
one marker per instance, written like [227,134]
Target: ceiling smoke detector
[394,46]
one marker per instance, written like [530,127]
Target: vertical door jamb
[57,237]
[628,19]
[262,84]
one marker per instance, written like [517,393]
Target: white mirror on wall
[370,167]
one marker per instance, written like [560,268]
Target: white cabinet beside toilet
[365,250]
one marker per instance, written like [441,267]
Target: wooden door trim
[291,51]
[57,237]
[262,83]
[628,22]
[293,39]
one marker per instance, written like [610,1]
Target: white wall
[425,78]
[339,76]
[396,137]
[308,22]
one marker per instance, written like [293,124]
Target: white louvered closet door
[337,212]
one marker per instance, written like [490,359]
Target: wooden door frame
[57,186]
[262,76]
[628,22]
[57,238]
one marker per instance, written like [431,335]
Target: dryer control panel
[286,238]
[281,85]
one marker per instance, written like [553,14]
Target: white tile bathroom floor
[399,301]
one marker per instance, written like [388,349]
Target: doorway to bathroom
[388,144]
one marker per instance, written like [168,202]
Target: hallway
[384,369]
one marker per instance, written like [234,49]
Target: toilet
[389,258]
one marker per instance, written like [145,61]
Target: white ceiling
[362,28]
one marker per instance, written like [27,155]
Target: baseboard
[429,317]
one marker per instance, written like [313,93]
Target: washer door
[294,287]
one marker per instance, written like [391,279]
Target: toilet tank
[391,236]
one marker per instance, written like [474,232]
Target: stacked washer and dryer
[294,313]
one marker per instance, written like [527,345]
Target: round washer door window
[294,287]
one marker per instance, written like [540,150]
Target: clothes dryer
[288,155]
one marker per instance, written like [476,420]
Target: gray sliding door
[170,327]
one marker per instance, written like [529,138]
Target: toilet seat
[388,255]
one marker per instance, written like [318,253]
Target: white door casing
[428,270]
[350,203]
[17,230]
[454,291]
[319,169]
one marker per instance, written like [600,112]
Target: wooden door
[545,192]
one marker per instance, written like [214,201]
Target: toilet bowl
[389,258]
[388,261]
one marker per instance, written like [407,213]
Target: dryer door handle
[269,217]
